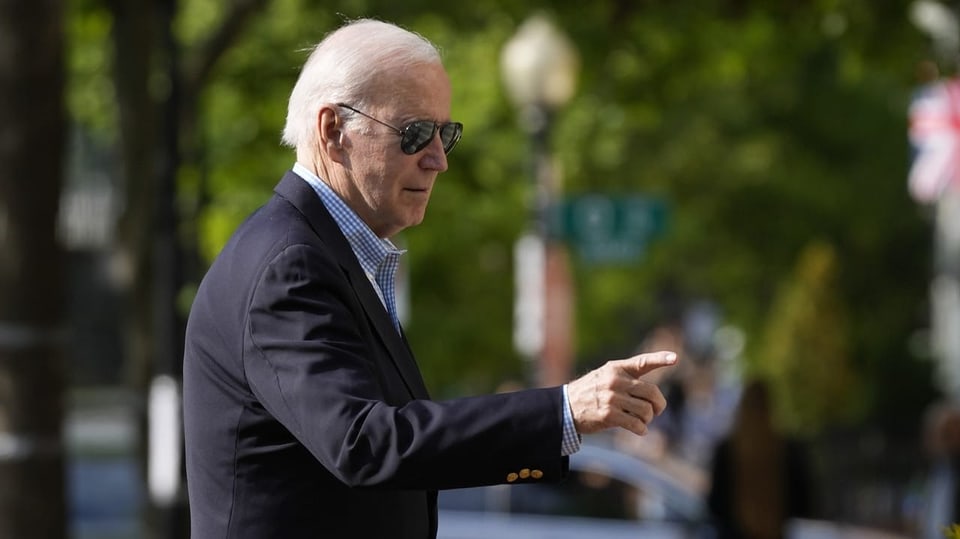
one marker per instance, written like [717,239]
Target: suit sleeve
[308,363]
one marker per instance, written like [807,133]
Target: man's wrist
[570,443]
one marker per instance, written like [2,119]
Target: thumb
[641,364]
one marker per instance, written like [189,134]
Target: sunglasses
[417,135]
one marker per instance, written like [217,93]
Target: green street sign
[606,228]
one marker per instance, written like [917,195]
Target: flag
[934,132]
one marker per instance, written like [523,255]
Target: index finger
[641,364]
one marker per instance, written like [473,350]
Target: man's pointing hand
[615,396]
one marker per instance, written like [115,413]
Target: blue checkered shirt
[380,258]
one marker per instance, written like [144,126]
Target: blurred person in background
[305,412]
[759,477]
[941,499]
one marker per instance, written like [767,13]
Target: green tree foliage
[806,350]
[91,98]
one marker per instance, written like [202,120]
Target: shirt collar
[371,251]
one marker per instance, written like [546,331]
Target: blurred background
[765,187]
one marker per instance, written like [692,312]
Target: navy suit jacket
[305,413]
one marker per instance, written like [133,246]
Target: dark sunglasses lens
[450,135]
[416,137]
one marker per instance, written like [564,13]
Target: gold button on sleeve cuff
[524,473]
[536,474]
[511,477]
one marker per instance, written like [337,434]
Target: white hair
[342,68]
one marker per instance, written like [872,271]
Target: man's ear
[330,133]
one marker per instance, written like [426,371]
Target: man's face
[390,189]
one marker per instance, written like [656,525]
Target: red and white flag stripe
[934,133]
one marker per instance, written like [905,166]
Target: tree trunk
[153,121]
[133,39]
[32,140]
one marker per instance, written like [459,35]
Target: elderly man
[305,412]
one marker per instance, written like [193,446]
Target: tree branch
[197,67]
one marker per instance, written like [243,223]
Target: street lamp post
[540,68]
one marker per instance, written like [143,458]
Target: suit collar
[296,190]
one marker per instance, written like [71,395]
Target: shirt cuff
[571,438]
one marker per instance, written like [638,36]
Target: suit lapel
[306,200]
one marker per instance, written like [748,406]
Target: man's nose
[434,158]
